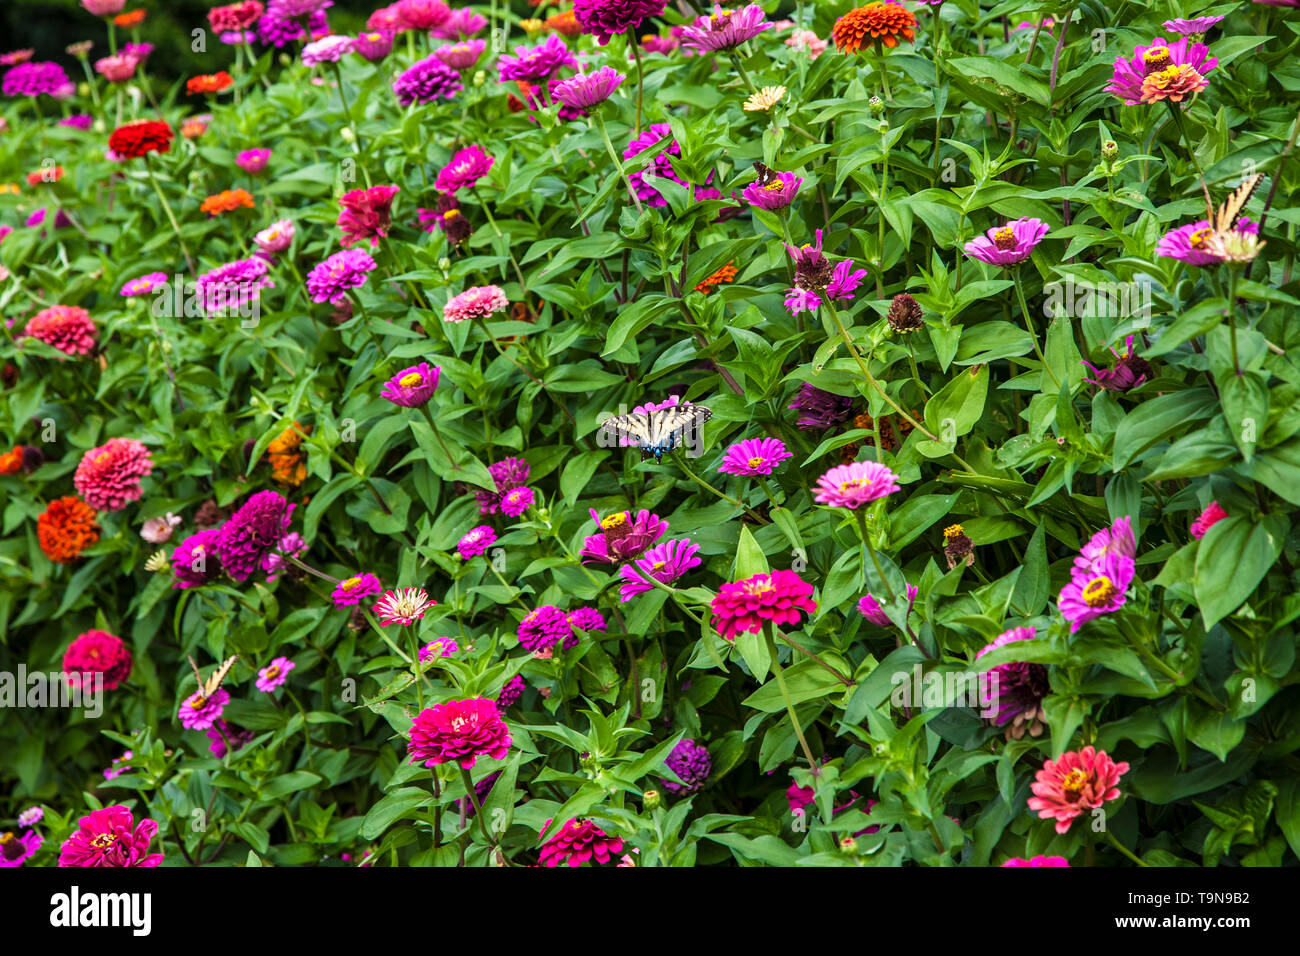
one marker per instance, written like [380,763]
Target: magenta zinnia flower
[586,90]
[466,168]
[511,692]
[199,713]
[543,627]
[603,18]
[476,302]
[507,473]
[1016,690]
[476,542]
[367,214]
[1190,243]
[252,532]
[195,561]
[233,286]
[660,166]
[144,285]
[403,606]
[692,763]
[745,605]
[1194,27]
[1162,71]
[1038,861]
[664,562]
[354,590]
[111,837]
[17,850]
[1117,539]
[1208,519]
[725,29]
[96,652]
[534,64]
[1130,371]
[373,46]
[459,731]
[1076,781]
[1008,245]
[814,276]
[870,608]
[108,477]
[274,674]
[577,842]
[517,501]
[442,647]
[855,484]
[412,387]
[426,81]
[623,537]
[330,280]
[778,193]
[1096,590]
[35,79]
[754,456]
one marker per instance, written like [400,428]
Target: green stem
[148,166]
[1110,837]
[785,695]
[681,460]
[618,163]
[1033,332]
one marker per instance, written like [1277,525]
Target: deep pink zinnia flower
[330,280]
[476,302]
[465,169]
[1117,539]
[274,674]
[1038,861]
[67,328]
[111,837]
[798,797]
[577,842]
[623,537]
[253,161]
[402,607]
[476,542]
[1076,781]
[507,473]
[1190,243]
[462,24]
[108,477]
[664,562]
[96,652]
[1208,519]
[195,561]
[1130,370]
[199,713]
[459,731]
[870,608]
[855,484]
[442,647]
[543,627]
[1016,690]
[777,193]
[517,501]
[586,90]
[412,387]
[235,17]
[373,46]
[355,589]
[251,532]
[511,692]
[233,286]
[1008,245]
[814,275]
[1097,590]
[422,15]
[603,18]
[1162,71]
[584,619]
[754,456]
[366,215]
[17,850]
[725,29]
[745,605]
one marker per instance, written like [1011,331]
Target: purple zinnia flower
[476,542]
[195,561]
[35,79]
[660,166]
[427,80]
[511,692]
[664,563]
[1130,370]
[725,29]
[412,387]
[1008,245]
[274,674]
[1189,243]
[1016,690]
[516,501]
[603,18]
[199,713]
[81,121]
[543,628]
[754,456]
[234,286]
[533,64]
[220,732]
[777,193]
[691,762]
[507,473]
[870,608]
[585,619]
[330,280]
[821,409]
[441,647]
[251,532]
[623,537]
[586,90]
[1194,27]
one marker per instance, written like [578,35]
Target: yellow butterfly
[209,687]
[1225,220]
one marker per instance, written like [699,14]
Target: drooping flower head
[466,168]
[754,456]
[1075,782]
[108,477]
[622,536]
[1008,245]
[1207,520]
[744,606]
[578,842]
[692,763]
[1196,27]
[1016,690]
[67,328]
[586,90]
[199,713]
[366,215]
[1130,370]
[725,29]
[96,652]
[195,562]
[855,484]
[251,532]
[604,18]
[476,302]
[1162,71]
[330,280]
[402,607]
[459,731]
[111,837]
[353,590]
[427,80]
[820,409]
[876,23]
[412,387]
[477,541]
[815,276]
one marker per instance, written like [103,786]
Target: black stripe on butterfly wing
[635,426]
[214,682]
[765,175]
[1229,214]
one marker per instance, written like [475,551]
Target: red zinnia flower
[577,842]
[877,22]
[209,83]
[139,138]
[66,528]
[1077,781]
[460,731]
[777,597]
[367,214]
[236,16]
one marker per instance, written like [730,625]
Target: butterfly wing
[635,427]
[672,423]
[198,678]
[765,175]
[1230,212]
[218,676]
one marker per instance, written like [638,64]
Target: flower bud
[347,135]
[480,77]
[650,799]
[849,846]
[876,105]
[1109,150]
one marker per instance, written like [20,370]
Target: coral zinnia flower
[227,200]
[367,214]
[577,842]
[1161,71]
[459,731]
[96,652]
[476,302]
[111,837]
[108,477]
[209,83]
[403,606]
[726,274]
[1076,781]
[855,484]
[881,23]
[754,456]
[1208,519]
[235,16]
[1008,245]
[664,562]
[777,597]
[67,328]
[351,590]
[622,536]
[140,138]
[132,18]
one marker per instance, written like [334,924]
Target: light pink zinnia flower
[1008,245]
[108,477]
[476,302]
[855,484]
[274,674]
[159,530]
[1075,782]
[199,713]
[460,56]
[275,238]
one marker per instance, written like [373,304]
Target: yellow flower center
[1156,59]
[614,521]
[775,186]
[1074,782]
[410,378]
[102,457]
[450,214]
[1098,591]
[350,583]
[272,672]
[103,841]
[1198,239]
[953,531]
[1005,238]
[658,565]
[198,702]
[756,462]
[854,484]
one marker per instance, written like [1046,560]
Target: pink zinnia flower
[442,647]
[798,797]
[623,537]
[664,562]
[586,90]
[476,302]
[476,542]
[403,606]
[538,63]
[233,285]
[275,238]
[1190,243]
[778,193]
[253,161]
[466,168]
[116,69]
[31,816]
[543,627]
[1038,861]
[754,456]
[412,387]
[422,15]
[67,328]
[1008,245]
[274,674]
[461,24]
[199,713]
[330,280]
[462,55]
[367,214]
[1208,519]
[517,501]
[159,530]
[144,285]
[855,484]
[807,40]
[459,731]
[1162,71]
[745,605]
[506,474]
[1097,590]
[111,837]
[1194,27]
[328,49]
[725,29]
[814,275]
[108,477]
[870,608]
[373,46]
[577,842]
[103,8]
[603,18]
[354,590]
[1076,781]
[96,652]
[1117,539]
[17,850]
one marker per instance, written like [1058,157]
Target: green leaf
[1231,560]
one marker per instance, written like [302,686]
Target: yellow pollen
[658,565]
[350,583]
[272,672]
[198,702]
[101,458]
[1074,782]
[103,841]
[1098,591]
[614,521]
[450,214]
[854,484]
[7,838]
[775,186]
[953,531]
[1198,239]
[1157,58]
[1005,238]
[409,379]
[756,462]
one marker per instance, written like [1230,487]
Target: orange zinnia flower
[726,274]
[47,174]
[193,128]
[227,201]
[131,18]
[209,83]
[11,461]
[565,22]
[287,463]
[880,22]
[67,528]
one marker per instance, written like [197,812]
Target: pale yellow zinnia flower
[764,99]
